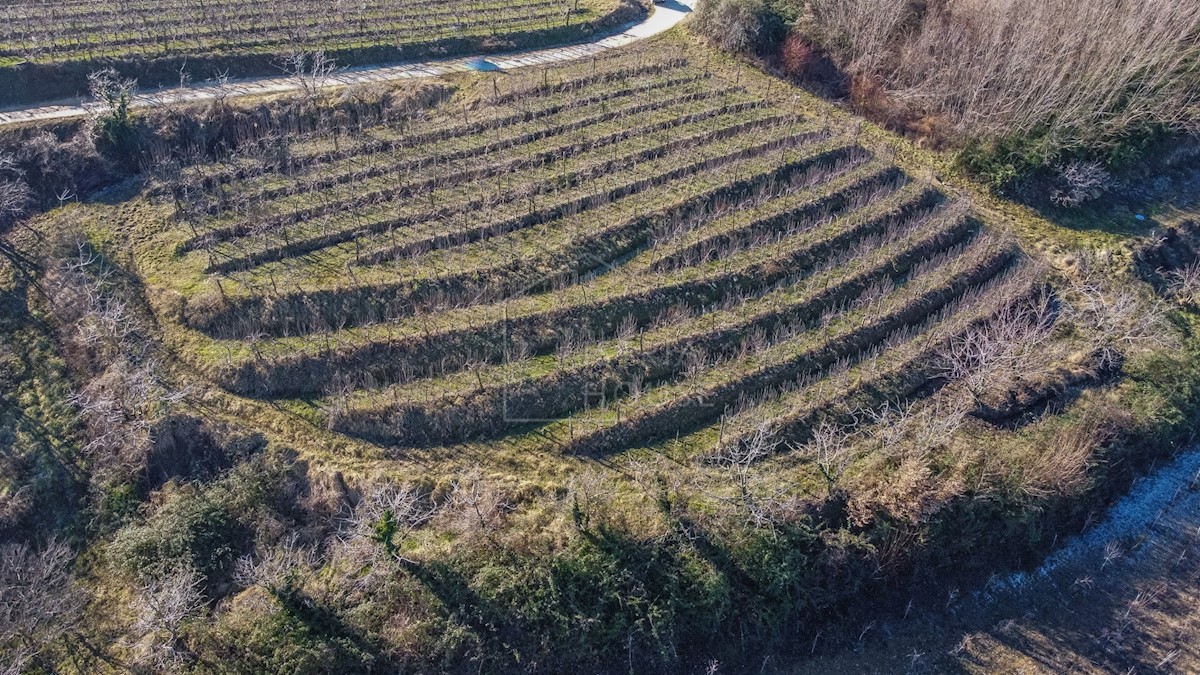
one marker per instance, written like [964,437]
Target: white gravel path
[661,19]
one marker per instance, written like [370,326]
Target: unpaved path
[662,18]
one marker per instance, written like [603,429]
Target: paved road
[661,19]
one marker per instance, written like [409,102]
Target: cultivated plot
[643,249]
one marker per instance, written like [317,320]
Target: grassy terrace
[656,253]
[587,259]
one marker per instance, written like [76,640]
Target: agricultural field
[147,40]
[647,362]
[614,255]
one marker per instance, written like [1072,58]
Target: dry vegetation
[1051,103]
[1079,73]
[646,363]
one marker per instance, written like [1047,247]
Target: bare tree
[310,70]
[1118,318]
[828,448]
[740,458]
[39,602]
[113,96]
[1079,72]
[861,32]
[278,568]
[164,603]
[388,514]
[1012,346]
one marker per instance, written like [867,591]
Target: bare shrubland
[123,397]
[39,602]
[1080,73]
[735,25]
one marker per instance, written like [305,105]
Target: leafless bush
[830,450]
[759,510]
[993,356]
[311,71]
[122,408]
[164,603]
[125,396]
[1116,318]
[389,514]
[107,86]
[735,25]
[277,568]
[1184,284]
[15,195]
[1081,182]
[479,506]
[39,603]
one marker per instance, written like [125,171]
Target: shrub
[739,26]
[802,60]
[1079,183]
[114,122]
[190,528]
[204,527]
[58,170]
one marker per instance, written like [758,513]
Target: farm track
[625,252]
[661,19]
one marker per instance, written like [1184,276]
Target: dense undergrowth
[648,363]
[1056,106]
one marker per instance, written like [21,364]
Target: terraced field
[38,30]
[648,358]
[593,258]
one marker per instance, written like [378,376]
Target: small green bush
[191,528]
